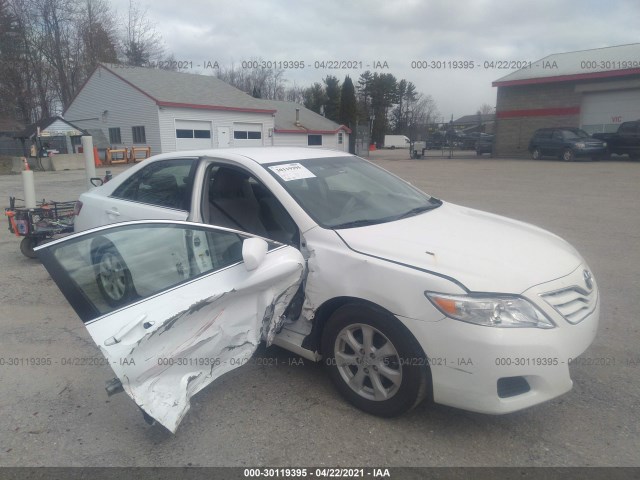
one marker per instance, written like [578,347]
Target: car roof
[261,155]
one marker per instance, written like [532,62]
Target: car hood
[482,251]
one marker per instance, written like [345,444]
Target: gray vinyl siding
[329,141]
[126,107]
[218,118]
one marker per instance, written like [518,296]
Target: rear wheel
[374,361]
[113,276]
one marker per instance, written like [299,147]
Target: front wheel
[568,155]
[374,361]
[113,276]
[536,154]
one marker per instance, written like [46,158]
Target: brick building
[592,89]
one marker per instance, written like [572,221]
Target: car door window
[236,199]
[165,184]
[148,259]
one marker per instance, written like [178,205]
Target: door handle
[117,338]
[113,211]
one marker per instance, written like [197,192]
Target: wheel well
[313,341]
[96,245]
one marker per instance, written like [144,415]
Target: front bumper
[502,370]
[590,151]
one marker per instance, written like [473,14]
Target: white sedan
[402,295]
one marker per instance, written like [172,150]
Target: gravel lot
[289,414]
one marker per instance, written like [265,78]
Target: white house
[170,111]
[298,126]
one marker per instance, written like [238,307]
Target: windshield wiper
[358,223]
[417,210]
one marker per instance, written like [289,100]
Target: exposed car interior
[237,200]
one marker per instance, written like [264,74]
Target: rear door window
[166,184]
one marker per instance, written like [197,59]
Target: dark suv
[566,143]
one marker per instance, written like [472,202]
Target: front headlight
[580,145]
[508,311]
[604,144]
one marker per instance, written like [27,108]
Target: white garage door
[605,111]
[193,135]
[247,135]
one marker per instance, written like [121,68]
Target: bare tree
[268,83]
[294,94]
[485,109]
[26,72]
[97,32]
[142,44]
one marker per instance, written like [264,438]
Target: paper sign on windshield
[292,171]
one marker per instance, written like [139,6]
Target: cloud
[397,32]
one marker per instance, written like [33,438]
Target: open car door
[174,305]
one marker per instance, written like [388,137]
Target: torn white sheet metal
[177,326]
[197,337]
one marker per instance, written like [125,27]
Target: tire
[27,245]
[113,276]
[536,154]
[568,155]
[385,376]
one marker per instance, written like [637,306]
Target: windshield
[344,192]
[577,133]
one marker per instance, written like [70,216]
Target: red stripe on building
[567,78]
[538,112]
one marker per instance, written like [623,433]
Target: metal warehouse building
[592,89]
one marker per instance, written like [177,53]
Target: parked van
[396,141]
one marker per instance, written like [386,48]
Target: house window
[245,135]
[114,136]
[340,138]
[314,140]
[186,133]
[202,134]
[138,134]
[181,133]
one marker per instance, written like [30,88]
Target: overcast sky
[395,32]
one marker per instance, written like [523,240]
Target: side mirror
[254,250]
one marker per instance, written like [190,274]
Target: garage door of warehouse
[605,111]
[193,135]
[247,135]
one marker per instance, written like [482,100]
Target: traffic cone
[96,157]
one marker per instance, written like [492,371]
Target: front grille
[573,303]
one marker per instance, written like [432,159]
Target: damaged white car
[404,296]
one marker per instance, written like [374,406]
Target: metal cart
[39,223]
